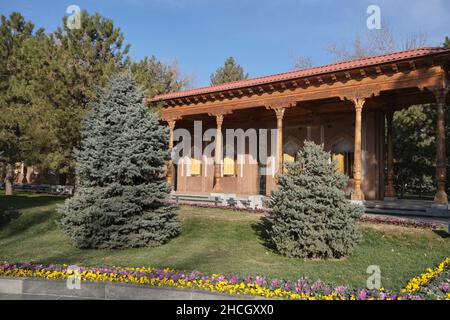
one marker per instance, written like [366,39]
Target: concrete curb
[107,291]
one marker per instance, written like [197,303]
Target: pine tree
[14,99]
[122,197]
[447,42]
[311,216]
[231,71]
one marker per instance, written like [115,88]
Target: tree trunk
[76,189]
[9,179]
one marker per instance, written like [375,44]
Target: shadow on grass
[7,215]
[261,229]
[22,222]
[442,233]
[23,201]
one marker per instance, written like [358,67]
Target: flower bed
[434,283]
[239,285]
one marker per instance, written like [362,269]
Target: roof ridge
[300,73]
[328,65]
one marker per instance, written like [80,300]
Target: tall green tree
[156,77]
[231,71]
[123,196]
[14,100]
[447,42]
[86,58]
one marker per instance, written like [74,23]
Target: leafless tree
[301,62]
[415,40]
[376,42]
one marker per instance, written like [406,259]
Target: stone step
[400,212]
[420,212]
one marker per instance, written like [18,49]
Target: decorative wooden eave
[311,79]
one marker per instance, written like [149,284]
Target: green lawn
[220,241]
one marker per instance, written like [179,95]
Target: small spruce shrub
[311,216]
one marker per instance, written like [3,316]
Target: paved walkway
[42,289]
[7,296]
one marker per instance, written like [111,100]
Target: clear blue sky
[262,35]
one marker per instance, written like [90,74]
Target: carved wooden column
[170,168]
[441,158]
[279,106]
[357,192]
[390,190]
[218,155]
[280,114]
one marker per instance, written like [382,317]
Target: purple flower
[303,286]
[445,287]
[234,279]
[317,285]
[275,283]
[340,289]
[362,295]
[259,280]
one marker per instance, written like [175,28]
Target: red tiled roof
[291,75]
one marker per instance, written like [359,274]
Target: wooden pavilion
[345,106]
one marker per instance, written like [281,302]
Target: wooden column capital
[278,105]
[279,112]
[219,120]
[171,124]
[359,103]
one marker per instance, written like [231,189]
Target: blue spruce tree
[122,197]
[311,216]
